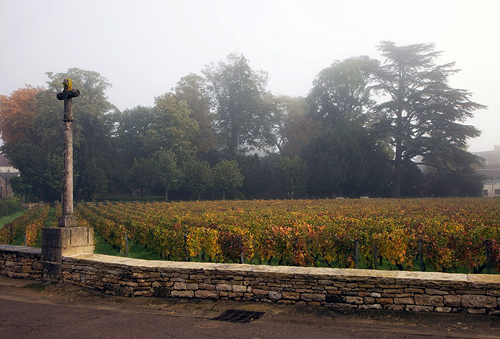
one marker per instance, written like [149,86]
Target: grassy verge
[9,218]
[136,251]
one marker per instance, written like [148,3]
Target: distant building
[490,172]
[7,172]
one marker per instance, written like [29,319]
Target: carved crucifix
[68,219]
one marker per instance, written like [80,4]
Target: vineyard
[447,235]
[29,226]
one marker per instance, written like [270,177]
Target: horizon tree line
[384,129]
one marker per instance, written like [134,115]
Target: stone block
[384,301]
[453,300]
[180,286]
[369,300]
[417,308]
[392,307]
[432,291]
[404,301]
[325,282]
[494,293]
[354,300]
[204,286]
[429,300]
[224,287]
[291,295]
[182,294]
[312,297]
[479,301]
[192,286]
[371,307]
[274,296]
[258,293]
[443,309]
[239,288]
[67,221]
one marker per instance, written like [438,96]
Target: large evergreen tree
[423,115]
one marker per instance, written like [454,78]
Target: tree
[169,175]
[258,181]
[340,93]
[227,176]
[192,89]
[451,172]
[198,176]
[94,179]
[291,175]
[346,162]
[132,126]
[172,127]
[423,114]
[290,128]
[17,115]
[142,175]
[238,92]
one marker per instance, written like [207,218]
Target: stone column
[68,238]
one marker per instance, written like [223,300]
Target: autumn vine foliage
[455,233]
[30,224]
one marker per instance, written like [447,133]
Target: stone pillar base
[67,221]
[60,241]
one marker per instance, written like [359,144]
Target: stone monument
[68,238]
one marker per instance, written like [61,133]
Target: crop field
[454,234]
[446,235]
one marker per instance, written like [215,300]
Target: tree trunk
[166,195]
[223,194]
[396,180]
[235,140]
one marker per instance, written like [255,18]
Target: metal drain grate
[238,316]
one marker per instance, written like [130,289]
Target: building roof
[489,172]
[491,158]
[4,161]
[9,175]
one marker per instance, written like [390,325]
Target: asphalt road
[29,310]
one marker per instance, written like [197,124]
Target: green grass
[10,218]
[136,251]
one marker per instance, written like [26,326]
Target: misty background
[144,47]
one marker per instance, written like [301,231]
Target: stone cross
[68,219]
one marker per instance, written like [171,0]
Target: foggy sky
[144,47]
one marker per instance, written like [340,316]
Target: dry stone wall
[20,262]
[336,288]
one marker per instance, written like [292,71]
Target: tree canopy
[379,128]
[423,115]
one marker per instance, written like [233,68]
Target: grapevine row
[30,224]
[454,232]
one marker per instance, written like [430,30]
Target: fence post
[25,239]
[421,254]
[186,257]
[375,255]
[356,253]
[486,244]
[126,244]
[242,256]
